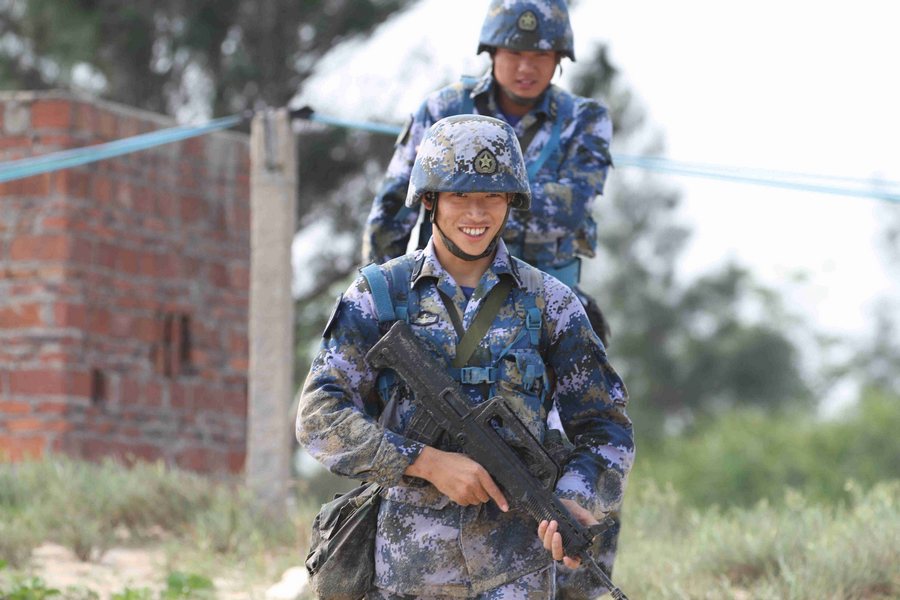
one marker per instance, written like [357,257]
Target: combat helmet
[469,153]
[529,25]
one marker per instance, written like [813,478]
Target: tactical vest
[395,299]
[569,272]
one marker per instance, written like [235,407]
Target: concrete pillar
[273,201]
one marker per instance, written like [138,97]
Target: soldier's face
[524,73]
[471,219]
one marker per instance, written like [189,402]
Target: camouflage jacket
[427,545]
[559,225]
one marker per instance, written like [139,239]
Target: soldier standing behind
[444,528]
[565,140]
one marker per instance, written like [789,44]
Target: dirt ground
[120,568]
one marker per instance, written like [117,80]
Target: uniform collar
[427,266]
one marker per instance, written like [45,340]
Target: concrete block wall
[123,290]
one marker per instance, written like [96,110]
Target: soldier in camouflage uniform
[444,528]
[565,139]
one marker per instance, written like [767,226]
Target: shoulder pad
[532,277]
[334,315]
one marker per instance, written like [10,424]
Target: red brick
[143,200]
[21,315]
[236,403]
[146,329]
[80,384]
[239,364]
[120,324]
[190,267]
[99,321]
[71,183]
[154,394]
[58,426]
[102,189]
[218,274]
[180,396]
[107,254]
[165,203]
[147,262]
[129,127]
[16,448]
[202,460]
[207,399]
[37,382]
[129,391]
[106,124]
[236,461]
[241,218]
[195,147]
[128,261]
[41,247]
[51,114]
[32,187]
[85,117]
[124,194]
[26,424]
[240,277]
[61,142]
[193,208]
[70,315]
[130,431]
[14,408]
[52,408]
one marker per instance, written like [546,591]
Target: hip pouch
[341,559]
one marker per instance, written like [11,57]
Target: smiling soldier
[501,328]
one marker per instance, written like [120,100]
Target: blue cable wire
[874,188]
[26,167]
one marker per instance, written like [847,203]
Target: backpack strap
[384,306]
[564,108]
[466,102]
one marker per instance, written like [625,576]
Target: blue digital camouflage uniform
[427,545]
[559,225]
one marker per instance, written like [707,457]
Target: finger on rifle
[556,546]
[542,529]
[547,538]
[493,491]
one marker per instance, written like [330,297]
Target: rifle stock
[475,430]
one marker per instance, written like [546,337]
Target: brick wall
[123,290]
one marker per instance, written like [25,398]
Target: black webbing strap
[479,327]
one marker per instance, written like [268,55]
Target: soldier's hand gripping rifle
[474,429]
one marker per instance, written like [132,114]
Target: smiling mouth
[473,231]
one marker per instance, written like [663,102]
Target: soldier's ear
[428,200]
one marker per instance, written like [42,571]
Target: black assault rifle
[475,429]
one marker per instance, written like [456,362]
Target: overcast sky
[791,85]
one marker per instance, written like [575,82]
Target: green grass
[750,506]
[791,549]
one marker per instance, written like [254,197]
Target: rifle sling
[475,333]
[421,427]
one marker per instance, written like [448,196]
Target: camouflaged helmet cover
[530,25]
[470,153]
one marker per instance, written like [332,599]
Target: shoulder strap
[479,327]
[563,112]
[467,103]
[384,306]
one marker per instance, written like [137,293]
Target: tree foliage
[206,57]
[685,351]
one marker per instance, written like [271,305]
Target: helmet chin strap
[516,99]
[456,250]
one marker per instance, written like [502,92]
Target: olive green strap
[482,322]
